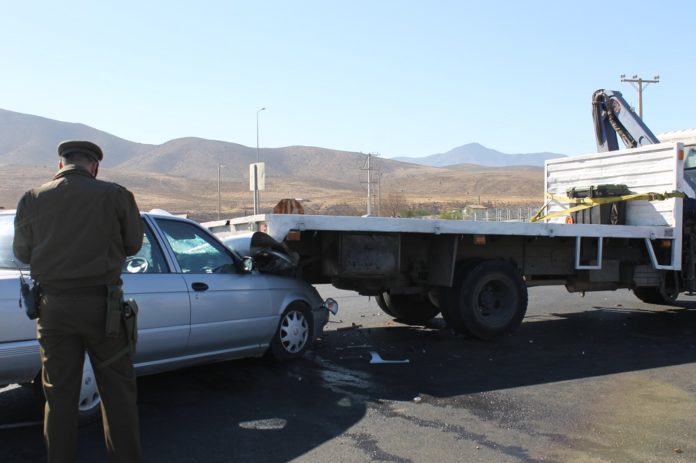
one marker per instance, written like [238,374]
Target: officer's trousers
[68,326]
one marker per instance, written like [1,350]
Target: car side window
[195,250]
[149,258]
[7,257]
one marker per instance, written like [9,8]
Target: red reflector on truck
[479,240]
[293,235]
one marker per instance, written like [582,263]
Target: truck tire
[410,309]
[654,295]
[449,305]
[383,305]
[488,299]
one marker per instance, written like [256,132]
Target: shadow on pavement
[264,411]
[557,347]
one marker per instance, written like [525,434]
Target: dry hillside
[425,188]
[181,175]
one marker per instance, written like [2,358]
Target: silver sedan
[199,302]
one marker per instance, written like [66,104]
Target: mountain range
[182,173]
[475,153]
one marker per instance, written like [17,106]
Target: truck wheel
[383,305]
[411,309]
[487,300]
[654,295]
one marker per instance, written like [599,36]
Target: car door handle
[199,286]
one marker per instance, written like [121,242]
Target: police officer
[75,232]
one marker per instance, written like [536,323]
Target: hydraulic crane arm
[612,116]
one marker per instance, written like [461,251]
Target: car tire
[90,400]
[294,334]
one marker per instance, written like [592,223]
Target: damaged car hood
[270,256]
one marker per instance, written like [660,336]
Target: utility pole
[641,84]
[369,168]
[379,193]
[369,185]
[220,166]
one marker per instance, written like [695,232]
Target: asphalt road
[604,378]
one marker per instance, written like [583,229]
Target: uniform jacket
[76,231]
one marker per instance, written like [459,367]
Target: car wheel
[294,334]
[90,400]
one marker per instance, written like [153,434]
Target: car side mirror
[248,264]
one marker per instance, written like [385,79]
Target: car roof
[152,213]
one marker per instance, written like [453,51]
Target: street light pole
[257,197]
[219,201]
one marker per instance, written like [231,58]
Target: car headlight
[331,305]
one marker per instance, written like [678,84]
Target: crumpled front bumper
[321,315]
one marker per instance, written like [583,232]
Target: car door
[230,309]
[164,308]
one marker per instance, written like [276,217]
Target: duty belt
[80,291]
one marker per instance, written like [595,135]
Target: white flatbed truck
[477,273]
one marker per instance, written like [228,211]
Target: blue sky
[398,78]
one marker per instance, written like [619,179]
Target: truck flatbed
[476,272]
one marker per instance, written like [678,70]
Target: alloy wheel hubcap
[294,332]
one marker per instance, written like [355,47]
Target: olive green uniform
[75,232]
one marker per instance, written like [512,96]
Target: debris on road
[376,358]
[354,326]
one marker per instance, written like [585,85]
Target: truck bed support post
[578,248]
[653,258]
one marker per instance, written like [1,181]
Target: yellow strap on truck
[586,203]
